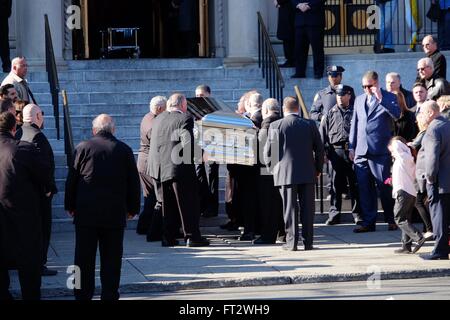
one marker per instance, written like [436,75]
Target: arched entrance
[167,28]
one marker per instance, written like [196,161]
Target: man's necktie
[29,91]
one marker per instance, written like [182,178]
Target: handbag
[434,12]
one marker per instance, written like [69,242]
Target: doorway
[167,28]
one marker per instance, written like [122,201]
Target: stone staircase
[123,89]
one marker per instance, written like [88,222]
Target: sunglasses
[368,87]
[422,69]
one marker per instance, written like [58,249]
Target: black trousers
[424,210]
[289,50]
[272,221]
[440,211]
[304,37]
[247,180]
[208,184]
[46,213]
[180,201]
[342,175]
[403,210]
[110,243]
[20,249]
[145,218]
[4,44]
[292,195]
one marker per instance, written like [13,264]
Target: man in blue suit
[370,133]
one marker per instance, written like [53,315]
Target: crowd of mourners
[388,143]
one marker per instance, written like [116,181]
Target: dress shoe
[46,272]
[289,248]
[429,236]
[419,245]
[359,222]
[287,64]
[193,243]
[309,248]
[230,226]
[281,239]
[388,50]
[333,222]
[170,243]
[434,257]
[363,229]
[261,241]
[392,227]
[247,237]
[298,76]
[403,250]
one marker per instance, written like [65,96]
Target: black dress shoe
[298,76]
[247,237]
[261,241]
[333,222]
[403,250]
[281,239]
[289,248]
[419,245]
[230,226]
[170,243]
[388,50]
[363,229]
[46,272]
[309,248]
[287,64]
[434,257]
[193,243]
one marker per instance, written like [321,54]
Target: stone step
[128,64]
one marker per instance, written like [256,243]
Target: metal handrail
[52,73]
[268,62]
[68,134]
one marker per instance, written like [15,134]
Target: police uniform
[335,130]
[326,99]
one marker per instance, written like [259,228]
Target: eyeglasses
[422,69]
[368,86]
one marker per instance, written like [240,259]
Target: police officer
[335,130]
[326,99]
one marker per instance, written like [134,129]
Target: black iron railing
[353,23]
[267,61]
[52,73]
[68,134]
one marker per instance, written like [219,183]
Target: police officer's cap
[342,90]
[335,71]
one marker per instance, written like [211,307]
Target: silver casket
[225,136]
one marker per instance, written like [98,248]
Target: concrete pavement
[339,255]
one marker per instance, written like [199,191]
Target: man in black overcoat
[22,172]
[102,190]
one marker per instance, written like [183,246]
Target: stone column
[242,42]
[31,30]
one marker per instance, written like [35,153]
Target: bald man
[33,119]
[19,70]
[102,190]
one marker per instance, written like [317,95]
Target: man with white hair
[434,156]
[33,121]
[171,164]
[394,85]
[19,70]
[271,204]
[157,106]
[102,190]
[255,104]
[436,86]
